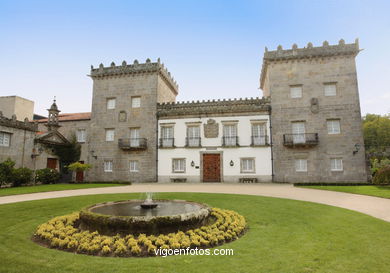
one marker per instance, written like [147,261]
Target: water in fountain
[148,203]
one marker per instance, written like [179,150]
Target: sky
[213,49]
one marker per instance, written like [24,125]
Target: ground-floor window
[336,164]
[134,166]
[301,165]
[178,165]
[247,165]
[4,139]
[108,166]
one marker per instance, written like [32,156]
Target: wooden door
[211,168]
[80,175]
[51,163]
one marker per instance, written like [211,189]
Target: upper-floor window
[134,137]
[167,139]
[333,126]
[330,89]
[107,166]
[193,136]
[81,135]
[178,165]
[259,136]
[298,132]
[301,165]
[296,91]
[5,139]
[111,103]
[230,135]
[134,166]
[247,165]
[135,102]
[110,134]
[336,164]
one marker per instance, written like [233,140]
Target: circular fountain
[144,216]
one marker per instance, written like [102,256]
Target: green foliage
[68,153]
[21,176]
[382,176]
[79,167]
[377,164]
[47,176]
[6,171]
[376,131]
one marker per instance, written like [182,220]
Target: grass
[379,191]
[52,187]
[284,236]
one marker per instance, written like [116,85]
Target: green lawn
[379,191]
[52,187]
[284,236]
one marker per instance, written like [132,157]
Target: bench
[178,180]
[248,180]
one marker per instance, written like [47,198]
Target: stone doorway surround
[220,167]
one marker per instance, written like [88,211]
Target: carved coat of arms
[211,129]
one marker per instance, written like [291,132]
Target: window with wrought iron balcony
[193,142]
[167,142]
[230,141]
[300,140]
[132,143]
[260,140]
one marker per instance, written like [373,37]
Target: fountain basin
[128,217]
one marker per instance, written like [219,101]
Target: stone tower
[316,119]
[52,120]
[123,129]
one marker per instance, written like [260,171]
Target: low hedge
[62,233]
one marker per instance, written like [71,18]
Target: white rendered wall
[262,155]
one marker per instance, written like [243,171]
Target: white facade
[230,158]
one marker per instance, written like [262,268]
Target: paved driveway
[374,206]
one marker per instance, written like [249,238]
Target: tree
[376,131]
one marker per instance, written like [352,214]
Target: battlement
[135,68]
[208,107]
[14,123]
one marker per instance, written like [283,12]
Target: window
[258,134]
[81,135]
[330,89]
[134,166]
[230,135]
[247,165]
[179,165]
[111,103]
[110,134]
[336,164]
[333,126]
[136,102]
[167,136]
[193,136]
[108,166]
[5,139]
[134,137]
[298,131]
[300,165]
[296,91]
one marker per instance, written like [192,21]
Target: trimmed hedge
[47,176]
[62,233]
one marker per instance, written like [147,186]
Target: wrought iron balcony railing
[193,142]
[167,142]
[132,143]
[230,141]
[259,141]
[300,140]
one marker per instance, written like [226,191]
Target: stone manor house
[305,128]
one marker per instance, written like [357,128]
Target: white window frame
[167,136]
[134,137]
[136,102]
[5,139]
[193,135]
[110,135]
[336,164]
[330,89]
[230,134]
[81,135]
[301,165]
[333,126]
[245,167]
[259,133]
[180,167]
[111,103]
[108,166]
[298,132]
[134,166]
[296,91]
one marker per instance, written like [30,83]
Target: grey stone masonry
[331,155]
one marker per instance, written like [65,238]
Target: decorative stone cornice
[14,123]
[230,106]
[308,52]
[135,68]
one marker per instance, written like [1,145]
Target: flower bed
[62,233]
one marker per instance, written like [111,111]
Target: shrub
[21,176]
[382,176]
[47,175]
[6,171]
[79,167]
[377,164]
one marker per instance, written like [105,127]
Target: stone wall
[14,105]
